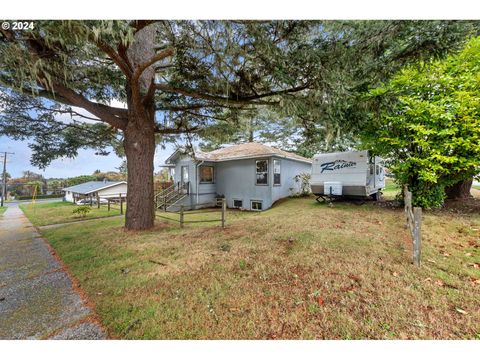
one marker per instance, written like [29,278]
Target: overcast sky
[84,164]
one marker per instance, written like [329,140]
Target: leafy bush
[82,210]
[303,181]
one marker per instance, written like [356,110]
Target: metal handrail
[161,193]
[170,195]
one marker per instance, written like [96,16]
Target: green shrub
[82,210]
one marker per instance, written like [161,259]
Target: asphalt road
[18,202]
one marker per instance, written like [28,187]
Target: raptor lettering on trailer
[336,165]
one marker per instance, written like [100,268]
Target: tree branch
[195,107]
[140,24]
[116,117]
[142,67]
[241,100]
[170,131]
[124,66]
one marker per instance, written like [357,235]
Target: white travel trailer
[352,173]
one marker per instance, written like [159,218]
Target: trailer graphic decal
[336,165]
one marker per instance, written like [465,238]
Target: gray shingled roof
[91,186]
[243,151]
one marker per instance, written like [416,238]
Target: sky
[84,164]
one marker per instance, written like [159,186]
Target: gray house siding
[206,192]
[289,169]
[236,180]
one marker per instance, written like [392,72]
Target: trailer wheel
[376,196]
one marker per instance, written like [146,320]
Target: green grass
[391,189]
[300,270]
[2,209]
[61,212]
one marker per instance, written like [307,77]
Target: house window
[276,172]
[206,174]
[237,203]
[256,205]
[261,172]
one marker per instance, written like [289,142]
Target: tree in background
[428,124]
[354,56]
[123,169]
[25,185]
[121,84]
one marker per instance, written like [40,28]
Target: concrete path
[37,299]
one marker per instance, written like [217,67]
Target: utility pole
[4,178]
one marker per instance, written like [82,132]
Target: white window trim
[251,205]
[213,175]
[256,183]
[280,173]
[233,203]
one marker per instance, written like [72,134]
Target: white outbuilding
[93,189]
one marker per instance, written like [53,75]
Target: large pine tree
[177,77]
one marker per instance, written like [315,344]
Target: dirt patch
[464,206]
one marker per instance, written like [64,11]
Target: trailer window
[256,205]
[237,203]
[371,169]
[377,169]
[276,172]
[261,172]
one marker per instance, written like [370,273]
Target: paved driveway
[36,296]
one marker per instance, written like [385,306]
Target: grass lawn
[391,189]
[300,270]
[2,209]
[61,212]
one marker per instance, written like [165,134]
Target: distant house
[250,176]
[90,190]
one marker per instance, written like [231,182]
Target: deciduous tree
[428,124]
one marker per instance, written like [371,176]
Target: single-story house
[92,189]
[249,176]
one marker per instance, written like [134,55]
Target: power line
[4,177]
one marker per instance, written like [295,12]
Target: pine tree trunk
[139,146]
[139,136]
[460,190]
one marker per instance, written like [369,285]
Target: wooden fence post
[417,234]
[414,224]
[224,209]
[181,216]
[121,204]
[108,201]
[98,201]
